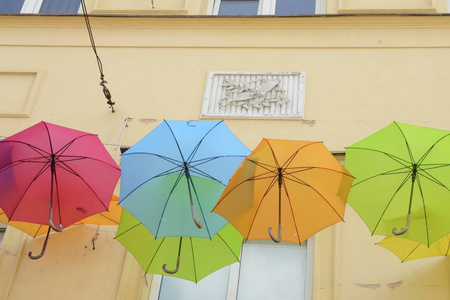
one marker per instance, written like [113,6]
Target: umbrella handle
[197,222]
[172,271]
[31,256]
[279,234]
[394,230]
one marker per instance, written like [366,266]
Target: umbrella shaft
[280,184]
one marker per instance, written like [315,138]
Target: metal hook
[279,234]
[31,256]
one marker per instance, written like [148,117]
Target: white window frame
[266,7]
[34,6]
[233,278]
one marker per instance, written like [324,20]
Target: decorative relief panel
[19,92]
[277,95]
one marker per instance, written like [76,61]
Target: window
[40,6]
[2,231]
[267,271]
[267,7]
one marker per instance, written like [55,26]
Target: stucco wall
[362,74]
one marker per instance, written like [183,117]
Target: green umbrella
[189,258]
[402,182]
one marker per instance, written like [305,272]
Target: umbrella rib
[411,157]
[431,148]
[128,229]
[390,172]
[390,201]
[199,205]
[38,150]
[70,143]
[430,177]
[19,162]
[166,158]
[38,174]
[391,156]
[424,209]
[291,158]
[448,248]
[409,254]
[193,258]
[73,172]
[167,172]
[273,154]
[292,211]
[299,181]
[254,178]
[191,156]
[157,250]
[228,246]
[176,141]
[274,180]
[180,175]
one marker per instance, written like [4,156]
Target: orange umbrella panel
[297,188]
[110,217]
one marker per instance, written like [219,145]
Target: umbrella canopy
[55,175]
[110,217]
[298,185]
[191,258]
[402,182]
[407,250]
[172,178]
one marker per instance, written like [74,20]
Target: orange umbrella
[298,185]
[406,249]
[111,217]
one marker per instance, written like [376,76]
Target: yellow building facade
[357,66]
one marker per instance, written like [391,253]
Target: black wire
[91,37]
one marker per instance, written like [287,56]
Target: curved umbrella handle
[197,222]
[394,230]
[50,221]
[31,256]
[172,271]
[279,234]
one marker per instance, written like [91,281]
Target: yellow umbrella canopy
[111,217]
[407,250]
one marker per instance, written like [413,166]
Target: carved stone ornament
[278,95]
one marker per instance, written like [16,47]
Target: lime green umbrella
[402,181]
[407,250]
[189,258]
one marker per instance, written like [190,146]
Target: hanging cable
[99,62]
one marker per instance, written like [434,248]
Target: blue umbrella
[173,177]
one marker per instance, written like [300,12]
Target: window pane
[238,7]
[295,7]
[11,6]
[213,286]
[2,231]
[60,7]
[272,271]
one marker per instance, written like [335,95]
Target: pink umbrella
[51,175]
